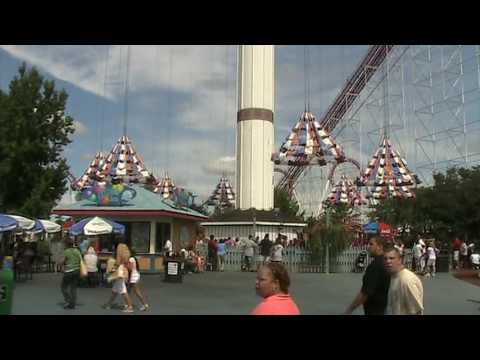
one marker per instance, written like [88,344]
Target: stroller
[361,262]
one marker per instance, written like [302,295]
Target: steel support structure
[445,107]
[343,102]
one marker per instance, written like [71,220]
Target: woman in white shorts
[120,278]
[134,281]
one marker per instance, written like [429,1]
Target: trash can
[173,271]
[443,262]
[6,291]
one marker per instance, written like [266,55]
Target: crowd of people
[388,287]
[465,256]
[251,248]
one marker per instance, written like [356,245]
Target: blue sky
[181,102]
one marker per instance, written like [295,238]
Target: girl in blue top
[222,251]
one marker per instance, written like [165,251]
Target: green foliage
[330,230]
[448,208]
[287,205]
[34,131]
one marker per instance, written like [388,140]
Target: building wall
[180,229]
[183,233]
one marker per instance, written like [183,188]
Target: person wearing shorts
[134,282]
[120,279]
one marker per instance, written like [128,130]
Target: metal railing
[300,260]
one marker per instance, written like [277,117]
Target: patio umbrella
[50,227]
[37,228]
[7,223]
[96,226]
[24,223]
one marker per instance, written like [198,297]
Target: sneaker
[106,307]
[144,307]
[127,310]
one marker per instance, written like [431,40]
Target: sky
[181,103]
[182,100]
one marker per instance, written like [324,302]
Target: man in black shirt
[376,281]
[265,249]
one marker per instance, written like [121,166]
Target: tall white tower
[255,137]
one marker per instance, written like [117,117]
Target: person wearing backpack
[134,279]
[71,274]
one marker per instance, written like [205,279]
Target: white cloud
[80,128]
[79,65]
[223,165]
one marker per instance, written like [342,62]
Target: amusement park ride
[310,143]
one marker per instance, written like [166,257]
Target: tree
[286,204]
[34,131]
[448,208]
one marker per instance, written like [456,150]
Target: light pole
[327,254]
[254,216]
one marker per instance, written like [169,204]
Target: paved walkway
[234,293]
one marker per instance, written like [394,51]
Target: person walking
[91,261]
[405,294]
[432,252]
[463,255]
[249,252]
[120,278]
[265,249]
[212,248]
[375,283]
[417,256]
[277,251]
[475,261]
[272,285]
[71,274]
[134,281]
[168,248]
[57,247]
[221,252]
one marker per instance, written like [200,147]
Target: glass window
[185,239]
[140,236]
[163,233]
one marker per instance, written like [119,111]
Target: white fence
[299,260]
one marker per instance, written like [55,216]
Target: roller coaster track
[343,102]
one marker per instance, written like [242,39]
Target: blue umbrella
[100,226]
[371,228]
[7,223]
[38,228]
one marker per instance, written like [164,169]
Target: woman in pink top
[272,284]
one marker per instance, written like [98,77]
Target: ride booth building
[149,220]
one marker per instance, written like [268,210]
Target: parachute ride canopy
[121,164]
[346,192]
[223,195]
[124,162]
[165,187]
[387,175]
[92,173]
[308,144]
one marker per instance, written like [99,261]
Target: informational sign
[3,293]
[172,268]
